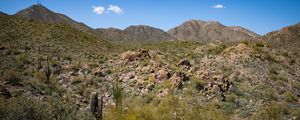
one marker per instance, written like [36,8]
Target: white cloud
[115,9]
[98,9]
[219,6]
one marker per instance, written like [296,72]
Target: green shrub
[22,59]
[264,92]
[259,44]
[245,42]
[289,97]
[20,108]
[215,50]
[12,77]
[40,76]
[275,111]
[168,108]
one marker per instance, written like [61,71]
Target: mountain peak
[37,7]
[203,22]
[43,14]
[140,27]
[40,13]
[137,33]
[207,31]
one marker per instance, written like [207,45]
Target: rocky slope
[43,14]
[287,38]
[206,31]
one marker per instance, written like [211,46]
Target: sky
[260,16]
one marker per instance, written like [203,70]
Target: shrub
[22,59]
[273,112]
[245,42]
[215,50]
[12,77]
[40,76]
[289,97]
[264,92]
[168,108]
[19,108]
[259,44]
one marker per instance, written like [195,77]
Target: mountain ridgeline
[196,30]
[207,31]
[135,33]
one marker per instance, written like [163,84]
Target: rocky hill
[43,14]
[207,31]
[287,38]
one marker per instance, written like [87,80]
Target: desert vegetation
[54,71]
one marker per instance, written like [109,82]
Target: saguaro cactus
[96,105]
[47,71]
[39,60]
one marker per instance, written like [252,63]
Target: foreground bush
[21,108]
[169,108]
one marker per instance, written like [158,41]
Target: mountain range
[53,67]
[196,30]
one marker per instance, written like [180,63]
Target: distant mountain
[112,34]
[132,33]
[197,30]
[207,31]
[43,14]
[2,13]
[141,33]
[147,33]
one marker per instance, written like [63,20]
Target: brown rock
[129,55]
[162,74]
[178,79]
[133,55]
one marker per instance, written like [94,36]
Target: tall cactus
[96,105]
[39,60]
[48,71]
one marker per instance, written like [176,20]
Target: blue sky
[260,16]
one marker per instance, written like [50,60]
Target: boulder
[133,55]
[129,55]
[178,79]
[162,74]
